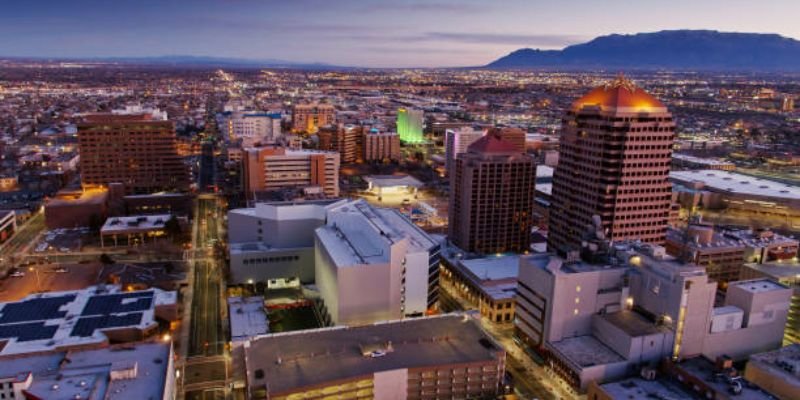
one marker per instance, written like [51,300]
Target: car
[61,270]
[377,353]
[18,274]
[64,249]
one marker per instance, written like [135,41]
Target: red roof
[621,93]
[491,144]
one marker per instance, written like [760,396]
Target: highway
[206,366]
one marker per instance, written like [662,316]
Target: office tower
[373,264]
[456,142]
[309,118]
[447,356]
[276,168]
[137,150]
[347,140]
[615,153]
[253,127]
[515,136]
[409,125]
[379,146]
[491,201]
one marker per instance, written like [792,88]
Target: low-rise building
[140,371]
[714,379]
[275,168]
[88,318]
[777,372]
[639,388]
[248,319]
[432,357]
[787,273]
[686,161]
[135,229]
[489,283]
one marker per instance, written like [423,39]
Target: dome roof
[620,93]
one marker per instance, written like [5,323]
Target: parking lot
[48,278]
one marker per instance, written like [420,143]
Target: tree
[106,259]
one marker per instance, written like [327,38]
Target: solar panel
[118,303]
[28,331]
[35,309]
[86,326]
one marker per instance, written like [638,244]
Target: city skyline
[439,33]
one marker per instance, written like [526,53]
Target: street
[206,365]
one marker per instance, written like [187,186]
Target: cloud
[460,7]
[502,38]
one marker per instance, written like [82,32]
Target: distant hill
[679,49]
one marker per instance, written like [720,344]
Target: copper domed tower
[614,161]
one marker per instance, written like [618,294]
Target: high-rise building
[347,140]
[276,168]
[614,161]
[409,125]
[491,201]
[310,117]
[515,136]
[138,150]
[373,264]
[253,127]
[379,146]
[456,142]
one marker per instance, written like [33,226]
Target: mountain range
[675,49]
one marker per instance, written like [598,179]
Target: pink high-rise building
[615,153]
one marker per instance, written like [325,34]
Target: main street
[207,357]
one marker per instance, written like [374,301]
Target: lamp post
[36,271]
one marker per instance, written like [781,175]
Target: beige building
[777,372]
[788,274]
[492,195]
[447,356]
[347,140]
[276,168]
[309,118]
[380,146]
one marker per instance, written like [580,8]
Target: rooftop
[137,223]
[496,276]
[638,388]
[779,270]
[294,360]
[115,373]
[393,180]
[705,370]
[491,144]
[586,351]
[632,323]
[617,95]
[358,233]
[700,160]
[732,182]
[48,321]
[248,318]
[758,285]
[784,362]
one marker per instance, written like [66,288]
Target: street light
[36,271]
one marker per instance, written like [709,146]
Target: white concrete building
[457,141]
[274,242]
[253,127]
[373,264]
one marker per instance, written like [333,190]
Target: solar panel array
[86,326]
[28,320]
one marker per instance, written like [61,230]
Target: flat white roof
[759,285]
[248,318]
[358,233]
[699,160]
[136,223]
[393,180]
[732,182]
[493,268]
[727,310]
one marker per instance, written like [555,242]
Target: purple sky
[398,33]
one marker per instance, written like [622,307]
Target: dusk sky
[378,33]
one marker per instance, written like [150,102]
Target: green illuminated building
[409,125]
